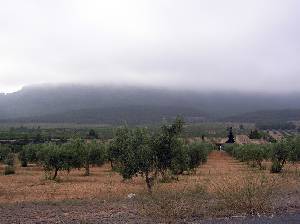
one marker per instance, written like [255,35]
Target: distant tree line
[279,153]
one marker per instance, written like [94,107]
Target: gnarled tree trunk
[55,173]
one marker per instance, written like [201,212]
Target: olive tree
[135,152]
[55,158]
[93,154]
[167,145]
[117,146]
[198,153]
[132,154]
[74,153]
[8,158]
[294,153]
[280,153]
[29,154]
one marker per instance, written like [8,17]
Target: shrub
[230,148]
[9,164]
[198,153]
[10,159]
[255,134]
[280,153]
[253,154]
[29,154]
[180,158]
[276,167]
[4,152]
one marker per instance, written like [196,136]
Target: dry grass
[250,195]
[29,184]
[221,186]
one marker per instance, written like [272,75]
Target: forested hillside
[120,115]
[113,104]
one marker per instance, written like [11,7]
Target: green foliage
[97,153]
[132,154]
[29,154]
[283,151]
[10,159]
[180,158]
[55,158]
[4,152]
[198,153]
[231,149]
[280,154]
[294,154]
[166,145]
[253,154]
[276,167]
[118,146]
[93,154]
[255,134]
[58,132]
[74,154]
[134,146]
[9,164]
[137,151]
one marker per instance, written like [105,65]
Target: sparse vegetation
[253,194]
[279,153]
[186,178]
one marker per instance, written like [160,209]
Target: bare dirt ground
[29,184]
[218,189]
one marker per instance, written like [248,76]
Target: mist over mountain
[114,104]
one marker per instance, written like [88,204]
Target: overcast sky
[249,45]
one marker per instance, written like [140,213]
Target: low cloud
[200,45]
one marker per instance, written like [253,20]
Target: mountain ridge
[41,100]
